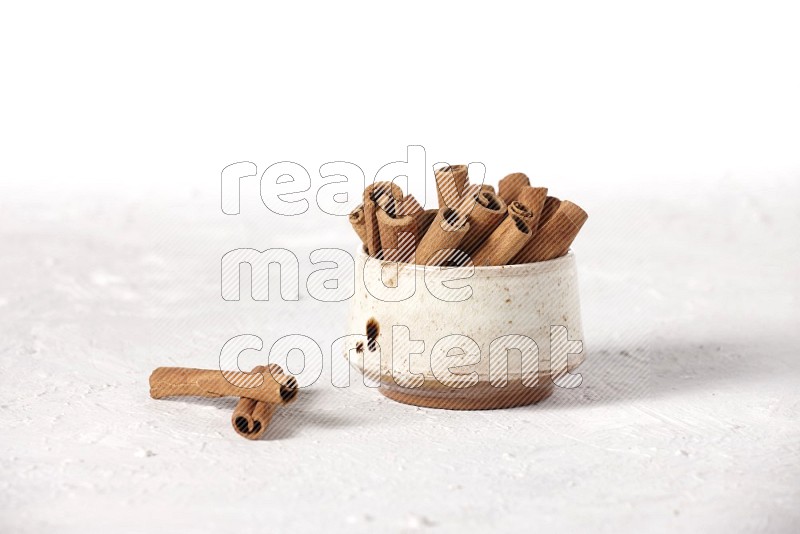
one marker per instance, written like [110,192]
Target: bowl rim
[486,271]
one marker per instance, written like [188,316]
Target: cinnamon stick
[510,186]
[377,196]
[408,206]
[450,184]
[400,233]
[424,221]
[486,212]
[548,209]
[555,235]
[504,243]
[398,236]
[250,417]
[358,222]
[520,210]
[181,381]
[533,198]
[444,235]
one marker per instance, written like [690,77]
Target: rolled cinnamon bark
[357,220]
[398,236]
[504,243]
[466,202]
[555,235]
[424,220]
[486,213]
[408,206]
[450,184]
[400,233]
[444,235]
[251,418]
[181,381]
[510,186]
[377,196]
[242,418]
[550,206]
[520,210]
[533,198]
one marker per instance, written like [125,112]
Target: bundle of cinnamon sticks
[517,224]
[260,392]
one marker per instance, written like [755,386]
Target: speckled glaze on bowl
[461,328]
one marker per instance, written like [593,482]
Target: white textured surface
[687,419]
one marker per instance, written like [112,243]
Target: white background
[675,125]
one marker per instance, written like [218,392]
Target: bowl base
[479,397]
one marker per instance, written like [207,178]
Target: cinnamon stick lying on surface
[250,417]
[504,243]
[555,235]
[182,381]
[509,187]
[444,235]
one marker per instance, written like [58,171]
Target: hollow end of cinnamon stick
[378,196]
[490,200]
[288,391]
[487,212]
[242,417]
[555,235]
[288,383]
[246,427]
[520,210]
[504,243]
[357,215]
[510,186]
[358,222]
[250,418]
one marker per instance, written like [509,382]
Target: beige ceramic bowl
[466,338]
